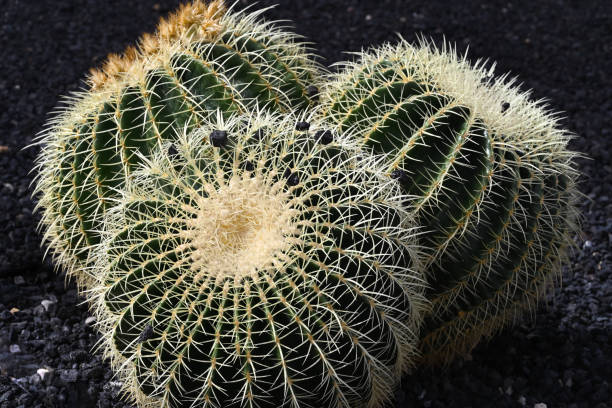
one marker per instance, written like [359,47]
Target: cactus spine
[201,60]
[277,269]
[492,180]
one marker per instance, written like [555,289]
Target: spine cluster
[492,182]
[276,269]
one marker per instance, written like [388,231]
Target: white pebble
[540,405]
[44,374]
[48,304]
[14,348]
[90,320]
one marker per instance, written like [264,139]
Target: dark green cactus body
[235,288]
[92,147]
[485,189]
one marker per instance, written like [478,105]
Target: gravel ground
[558,48]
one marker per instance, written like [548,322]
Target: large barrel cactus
[490,175]
[250,264]
[202,59]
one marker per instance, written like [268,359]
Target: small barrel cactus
[259,262]
[490,175]
[201,60]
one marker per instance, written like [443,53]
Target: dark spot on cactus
[324,136]
[400,175]
[218,138]
[313,93]
[505,106]
[302,126]
[259,134]
[146,334]
[248,166]
[293,179]
[172,150]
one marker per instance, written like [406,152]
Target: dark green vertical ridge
[272,66]
[207,89]
[460,192]
[247,81]
[139,136]
[107,161]
[85,196]
[496,285]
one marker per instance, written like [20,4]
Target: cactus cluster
[241,247]
[490,176]
[201,60]
[276,269]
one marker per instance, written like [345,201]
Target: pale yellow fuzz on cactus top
[240,227]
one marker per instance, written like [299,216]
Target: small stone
[38,310]
[505,106]
[90,321]
[94,373]
[324,136]
[302,126]
[522,400]
[48,305]
[45,374]
[69,376]
[34,379]
[4,149]
[218,138]
[78,356]
[13,310]
[14,348]
[18,280]
[587,244]
[5,396]
[540,405]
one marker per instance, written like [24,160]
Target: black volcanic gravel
[558,48]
